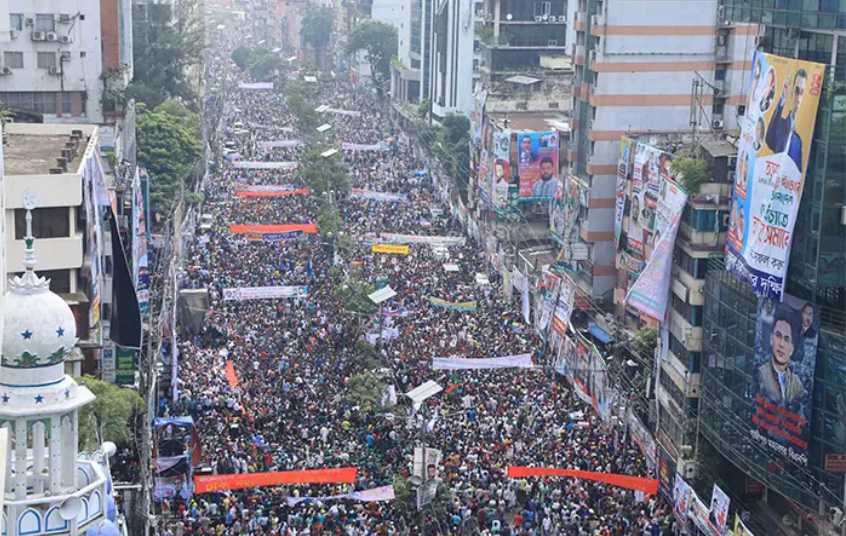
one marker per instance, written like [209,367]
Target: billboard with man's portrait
[773,153]
[537,163]
[786,337]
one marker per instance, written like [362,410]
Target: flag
[125,329]
[310,269]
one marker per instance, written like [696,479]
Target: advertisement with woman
[773,154]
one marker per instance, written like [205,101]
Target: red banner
[246,228]
[340,475]
[231,376]
[285,193]
[637,483]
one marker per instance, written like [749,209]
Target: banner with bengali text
[463,363]
[209,483]
[464,307]
[264,293]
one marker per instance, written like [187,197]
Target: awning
[600,334]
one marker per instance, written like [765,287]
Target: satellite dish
[70,508]
[508,16]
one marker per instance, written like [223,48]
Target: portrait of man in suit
[781,134]
[776,380]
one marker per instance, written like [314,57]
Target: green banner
[125,365]
[466,307]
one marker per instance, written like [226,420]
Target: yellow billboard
[393,249]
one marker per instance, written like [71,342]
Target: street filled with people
[273,384]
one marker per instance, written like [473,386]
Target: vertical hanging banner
[718,513]
[773,154]
[649,293]
[537,163]
[501,178]
[623,171]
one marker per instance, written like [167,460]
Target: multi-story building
[800,491]
[643,69]
[452,82]
[59,166]
[405,71]
[523,63]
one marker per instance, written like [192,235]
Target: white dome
[40,329]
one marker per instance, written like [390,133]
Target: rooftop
[33,148]
[533,120]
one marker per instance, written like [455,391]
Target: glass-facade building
[813,30]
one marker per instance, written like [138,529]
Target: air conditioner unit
[717,124]
[65,56]
[6,71]
[552,43]
[52,36]
[64,18]
[538,18]
[53,70]
[65,39]
[39,36]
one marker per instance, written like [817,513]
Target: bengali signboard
[264,293]
[537,163]
[125,359]
[774,149]
[786,338]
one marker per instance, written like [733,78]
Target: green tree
[323,174]
[692,173]
[107,418]
[168,147]
[379,41]
[241,57]
[300,102]
[329,221]
[316,29]
[644,342]
[453,149]
[365,390]
[354,296]
[165,51]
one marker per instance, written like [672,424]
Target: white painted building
[451,61]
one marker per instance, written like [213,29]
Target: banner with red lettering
[773,155]
[246,228]
[281,193]
[637,483]
[208,483]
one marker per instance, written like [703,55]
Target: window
[45,23]
[66,102]
[543,9]
[13,60]
[46,222]
[46,60]
[59,280]
[16,22]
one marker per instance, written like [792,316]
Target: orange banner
[637,483]
[231,376]
[246,228]
[285,193]
[340,475]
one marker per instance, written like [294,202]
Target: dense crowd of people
[295,358]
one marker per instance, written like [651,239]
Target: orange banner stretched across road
[209,483]
[246,228]
[231,375]
[284,193]
[648,486]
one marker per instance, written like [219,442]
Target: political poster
[623,172]
[682,495]
[786,338]
[718,513]
[650,292]
[641,437]
[564,306]
[773,153]
[501,177]
[666,472]
[740,528]
[264,293]
[537,164]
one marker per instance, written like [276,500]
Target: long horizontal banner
[274,237]
[361,193]
[208,483]
[281,193]
[258,164]
[396,238]
[264,293]
[463,363]
[279,144]
[255,85]
[465,307]
[393,249]
[345,146]
[380,494]
[338,111]
[248,228]
[266,188]
[648,486]
[231,375]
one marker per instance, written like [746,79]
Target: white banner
[363,147]
[338,111]
[463,363]
[395,238]
[361,193]
[255,85]
[257,164]
[264,293]
[265,188]
[380,494]
[279,144]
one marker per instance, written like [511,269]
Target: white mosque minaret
[50,487]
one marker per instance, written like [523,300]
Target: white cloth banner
[256,164]
[279,144]
[395,238]
[265,188]
[338,111]
[264,293]
[380,494]
[255,85]
[363,147]
[377,196]
[463,363]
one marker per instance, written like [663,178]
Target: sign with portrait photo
[537,163]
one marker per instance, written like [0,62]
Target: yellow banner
[391,249]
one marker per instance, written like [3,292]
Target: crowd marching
[294,357]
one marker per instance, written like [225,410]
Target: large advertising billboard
[537,163]
[786,337]
[773,154]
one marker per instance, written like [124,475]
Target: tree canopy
[316,29]
[379,41]
[107,417]
[323,174]
[452,146]
[261,64]
[168,146]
